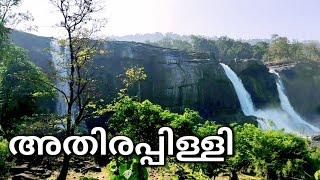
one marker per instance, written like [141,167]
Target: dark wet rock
[316,138]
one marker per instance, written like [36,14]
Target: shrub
[4,154]
[317,175]
[120,169]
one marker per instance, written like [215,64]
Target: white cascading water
[284,117]
[244,97]
[59,62]
[286,105]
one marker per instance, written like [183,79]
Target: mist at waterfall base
[283,117]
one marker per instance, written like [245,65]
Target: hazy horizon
[245,19]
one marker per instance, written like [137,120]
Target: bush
[140,121]
[4,154]
[267,154]
[317,175]
[131,169]
[271,154]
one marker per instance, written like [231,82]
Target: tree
[131,77]
[204,45]
[272,154]
[142,120]
[181,45]
[166,42]
[296,51]
[259,50]
[4,154]
[19,95]
[9,16]
[311,50]
[240,50]
[279,48]
[81,25]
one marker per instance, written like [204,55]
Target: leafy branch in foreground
[81,24]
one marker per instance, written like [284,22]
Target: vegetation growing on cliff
[279,49]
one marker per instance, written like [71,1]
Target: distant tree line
[279,49]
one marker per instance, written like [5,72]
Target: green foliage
[131,77]
[140,121]
[121,169]
[223,48]
[209,128]
[187,171]
[266,154]
[311,51]
[279,48]
[11,15]
[283,50]
[86,178]
[4,154]
[3,36]
[168,42]
[270,154]
[204,45]
[317,175]
[230,49]
[210,170]
[23,87]
[259,50]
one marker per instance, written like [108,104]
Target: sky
[240,19]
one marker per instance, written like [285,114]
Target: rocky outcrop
[176,80]
[37,47]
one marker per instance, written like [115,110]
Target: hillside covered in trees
[275,50]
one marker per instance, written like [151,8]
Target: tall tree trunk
[69,132]
[65,167]
[234,175]
[66,158]
[139,91]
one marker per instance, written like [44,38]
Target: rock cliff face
[178,80]
[257,80]
[302,82]
[37,47]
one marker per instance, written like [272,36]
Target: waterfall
[284,117]
[286,105]
[59,61]
[244,97]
